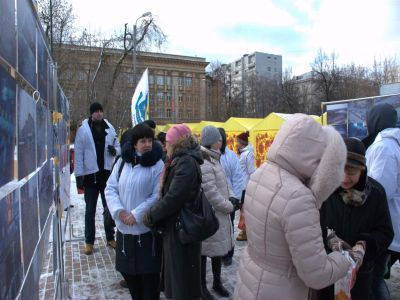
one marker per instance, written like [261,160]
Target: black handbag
[197,220]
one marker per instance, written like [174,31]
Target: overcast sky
[358,30]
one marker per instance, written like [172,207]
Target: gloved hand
[79,182]
[357,253]
[147,220]
[111,149]
[335,243]
[235,202]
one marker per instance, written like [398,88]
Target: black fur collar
[148,159]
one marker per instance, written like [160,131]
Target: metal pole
[134,54]
[51,27]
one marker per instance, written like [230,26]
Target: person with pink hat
[180,186]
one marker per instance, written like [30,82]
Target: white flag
[140,100]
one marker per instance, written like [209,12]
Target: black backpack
[197,220]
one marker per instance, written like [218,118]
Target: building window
[180,81]
[151,79]
[168,80]
[181,113]
[168,98]
[81,75]
[269,69]
[189,113]
[68,75]
[188,81]
[130,78]
[160,80]
[188,98]
[180,98]
[168,113]
[160,97]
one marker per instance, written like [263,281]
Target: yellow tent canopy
[265,131]
[197,129]
[234,126]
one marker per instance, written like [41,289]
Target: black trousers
[91,196]
[143,286]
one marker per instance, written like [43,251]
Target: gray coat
[217,191]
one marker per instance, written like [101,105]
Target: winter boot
[205,293]
[217,284]
[88,249]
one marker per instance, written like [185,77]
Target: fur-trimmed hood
[314,154]
[187,145]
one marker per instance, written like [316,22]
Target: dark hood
[379,117]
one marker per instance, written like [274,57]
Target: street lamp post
[134,44]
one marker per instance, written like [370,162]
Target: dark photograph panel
[26,134]
[342,129]
[41,137]
[30,290]
[7,126]
[10,249]
[358,118]
[8,40]
[45,185]
[336,114]
[29,218]
[26,41]
[42,58]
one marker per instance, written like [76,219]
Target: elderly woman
[131,189]
[285,256]
[181,184]
[218,193]
[358,213]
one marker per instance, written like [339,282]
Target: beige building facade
[177,86]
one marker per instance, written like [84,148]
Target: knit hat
[177,132]
[95,106]
[209,135]
[243,138]
[150,123]
[355,153]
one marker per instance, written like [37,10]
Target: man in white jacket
[383,165]
[96,145]
[233,172]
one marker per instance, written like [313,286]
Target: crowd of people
[319,207]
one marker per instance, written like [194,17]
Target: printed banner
[140,100]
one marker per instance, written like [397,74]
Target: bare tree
[57,19]
[326,74]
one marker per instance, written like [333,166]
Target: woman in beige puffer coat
[217,191]
[285,256]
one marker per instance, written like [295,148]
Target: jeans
[91,196]
[379,287]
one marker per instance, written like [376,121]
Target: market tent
[234,126]
[160,128]
[264,133]
[197,129]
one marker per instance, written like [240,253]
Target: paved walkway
[94,276]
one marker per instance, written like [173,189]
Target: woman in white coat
[217,191]
[131,190]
